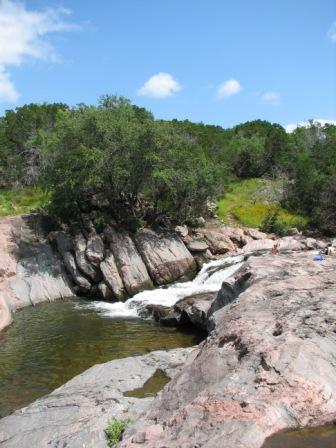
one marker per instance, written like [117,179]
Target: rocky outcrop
[131,267]
[95,249]
[76,414]
[111,276]
[269,363]
[30,270]
[165,255]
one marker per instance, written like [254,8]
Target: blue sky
[216,61]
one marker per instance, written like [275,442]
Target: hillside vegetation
[114,160]
[250,202]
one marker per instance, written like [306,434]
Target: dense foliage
[134,167]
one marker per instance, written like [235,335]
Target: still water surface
[51,343]
[321,437]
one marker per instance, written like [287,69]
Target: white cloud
[160,85]
[8,93]
[22,36]
[332,32]
[228,88]
[270,97]
[292,126]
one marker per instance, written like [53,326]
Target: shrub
[115,430]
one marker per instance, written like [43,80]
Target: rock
[289,243]
[200,221]
[218,242]
[111,276]
[293,231]
[78,278]
[130,265]
[95,250]
[104,291]
[268,365]
[197,246]
[63,241]
[182,231]
[76,414]
[256,234]
[195,308]
[166,257]
[82,262]
[261,245]
[30,271]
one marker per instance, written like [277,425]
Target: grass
[115,429]
[21,201]
[250,201]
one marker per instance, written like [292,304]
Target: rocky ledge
[268,364]
[76,414]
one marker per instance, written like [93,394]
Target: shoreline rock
[76,414]
[267,365]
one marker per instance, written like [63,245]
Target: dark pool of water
[51,343]
[151,387]
[322,437]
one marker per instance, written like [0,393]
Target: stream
[51,343]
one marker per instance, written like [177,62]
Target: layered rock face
[268,364]
[165,255]
[38,265]
[116,265]
[76,414]
[30,271]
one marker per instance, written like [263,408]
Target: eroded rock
[166,257]
[130,265]
[268,364]
[76,414]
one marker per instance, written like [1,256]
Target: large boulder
[111,276]
[269,363]
[130,265]
[83,263]
[166,257]
[219,242]
[95,250]
[260,245]
[71,266]
[77,414]
[30,271]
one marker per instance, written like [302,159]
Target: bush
[115,430]
[275,223]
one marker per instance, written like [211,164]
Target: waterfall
[208,280]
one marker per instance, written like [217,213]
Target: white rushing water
[209,279]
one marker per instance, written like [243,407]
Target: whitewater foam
[208,280]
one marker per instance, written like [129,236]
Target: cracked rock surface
[269,363]
[76,414]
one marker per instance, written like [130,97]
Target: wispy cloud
[271,97]
[23,36]
[292,126]
[160,85]
[332,32]
[228,88]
